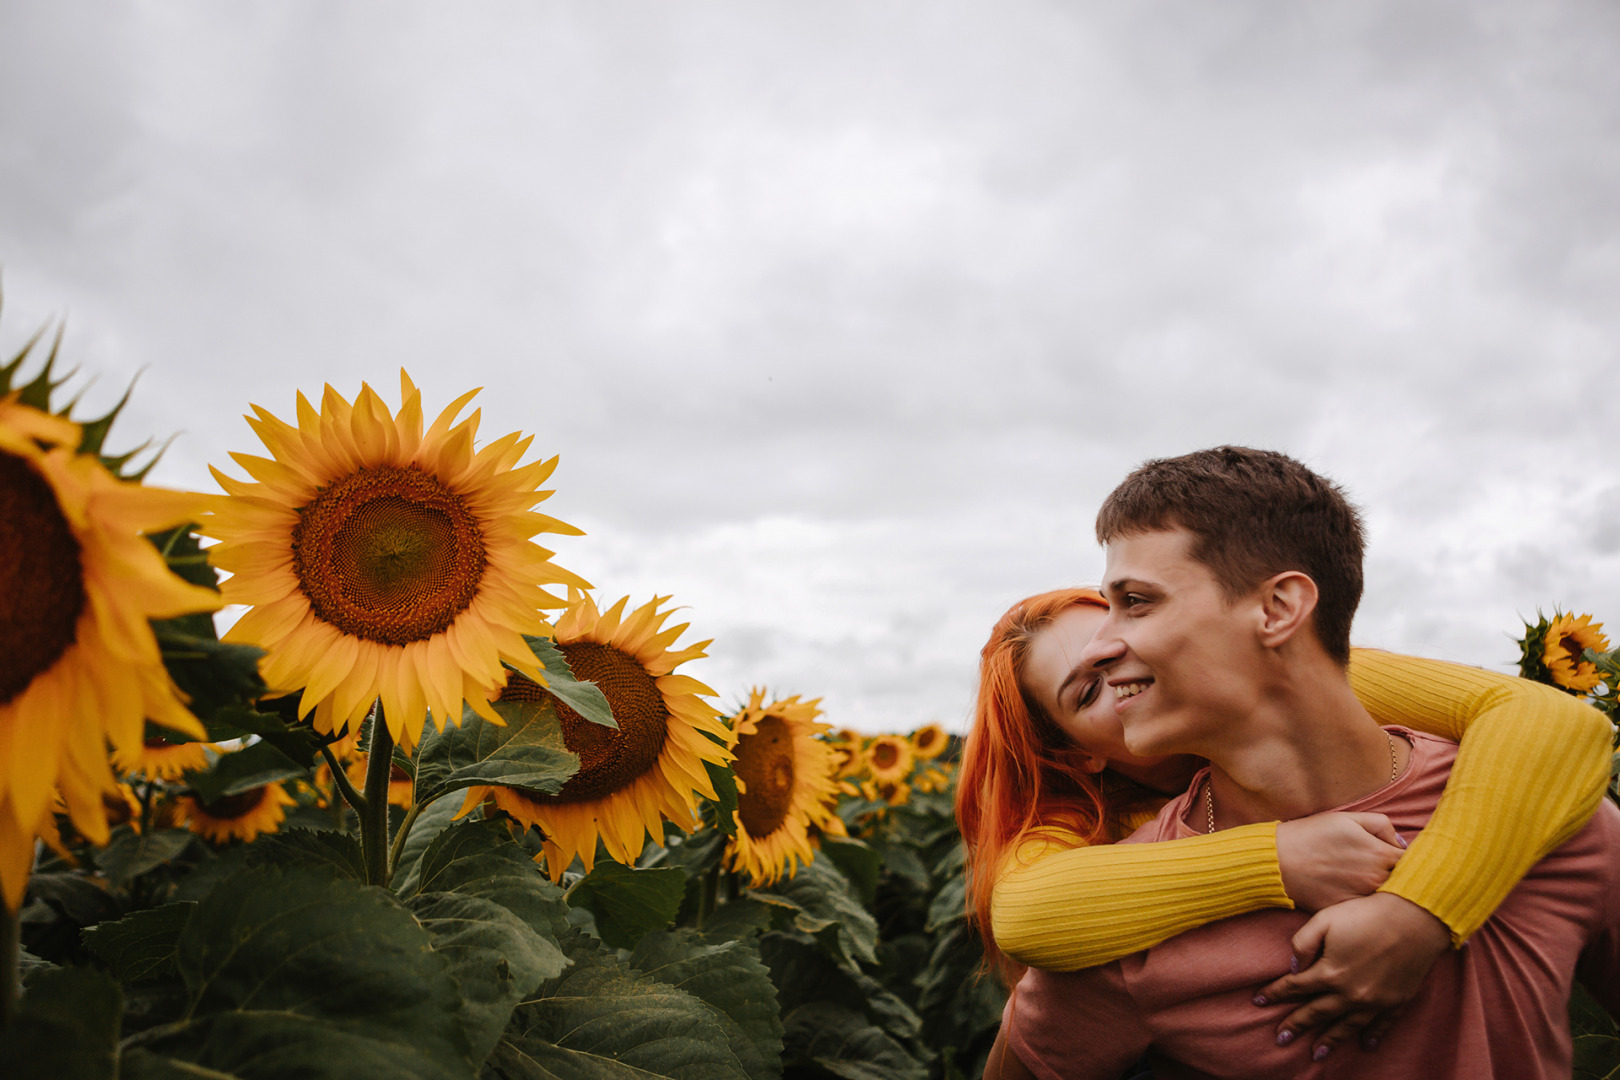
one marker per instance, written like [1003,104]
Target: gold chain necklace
[1209,787]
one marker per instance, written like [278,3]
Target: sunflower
[889,758]
[785,787]
[1568,636]
[384,562]
[160,759]
[893,792]
[651,768]
[240,817]
[79,665]
[928,742]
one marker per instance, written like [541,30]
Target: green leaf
[949,904]
[495,957]
[603,1020]
[213,674]
[243,770]
[860,862]
[821,896]
[581,695]
[804,973]
[841,1041]
[334,853]
[960,1004]
[744,917]
[131,854]
[1597,1038]
[628,903]
[724,810]
[65,1028]
[301,744]
[296,972]
[732,980]
[433,820]
[528,753]
[142,945]
[478,858]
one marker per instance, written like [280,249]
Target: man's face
[1179,659]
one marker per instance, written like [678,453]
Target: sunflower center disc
[609,760]
[231,807]
[41,577]
[387,554]
[1574,648]
[765,766]
[884,755]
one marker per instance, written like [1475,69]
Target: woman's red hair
[1019,770]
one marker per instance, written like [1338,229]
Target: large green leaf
[214,674]
[479,858]
[299,743]
[434,818]
[822,897]
[297,972]
[243,770]
[960,1003]
[841,1041]
[495,957]
[732,980]
[628,903]
[1597,1038]
[860,863]
[804,973]
[581,695]
[603,1020]
[142,945]
[66,1027]
[527,753]
[131,854]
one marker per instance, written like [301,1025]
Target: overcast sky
[844,317]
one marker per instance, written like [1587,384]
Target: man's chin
[1153,737]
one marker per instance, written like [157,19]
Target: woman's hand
[1332,857]
[1357,962]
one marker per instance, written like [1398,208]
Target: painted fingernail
[1370,1042]
[1401,840]
[1320,1052]
[1293,964]
[1284,1038]
[1260,999]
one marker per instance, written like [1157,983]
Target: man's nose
[1105,646]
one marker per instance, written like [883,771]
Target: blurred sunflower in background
[786,786]
[156,758]
[237,817]
[889,759]
[651,768]
[79,665]
[928,742]
[380,560]
[1566,638]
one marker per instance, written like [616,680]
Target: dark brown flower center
[1574,648]
[926,738]
[231,807]
[885,755]
[609,760]
[765,766]
[41,577]
[117,808]
[388,554]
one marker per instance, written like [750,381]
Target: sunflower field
[432,807]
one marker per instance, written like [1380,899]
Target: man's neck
[1308,746]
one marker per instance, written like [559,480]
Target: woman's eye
[1088,694]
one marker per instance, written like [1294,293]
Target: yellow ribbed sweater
[1532,766]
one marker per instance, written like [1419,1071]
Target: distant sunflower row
[387,568]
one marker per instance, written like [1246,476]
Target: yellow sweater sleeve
[1531,768]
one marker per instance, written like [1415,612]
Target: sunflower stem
[341,779]
[10,961]
[398,846]
[374,817]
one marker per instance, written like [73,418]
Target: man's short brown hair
[1253,514]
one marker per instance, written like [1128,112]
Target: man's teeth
[1129,690]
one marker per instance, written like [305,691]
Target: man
[1232,577]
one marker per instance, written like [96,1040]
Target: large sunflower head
[785,787]
[382,560]
[889,759]
[79,665]
[238,817]
[631,779]
[1567,638]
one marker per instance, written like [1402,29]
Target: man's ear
[1287,601]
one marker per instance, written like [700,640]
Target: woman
[1047,784]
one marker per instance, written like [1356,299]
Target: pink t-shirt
[1497,1007]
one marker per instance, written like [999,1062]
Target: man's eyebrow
[1121,584]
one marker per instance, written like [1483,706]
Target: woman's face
[1074,695]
